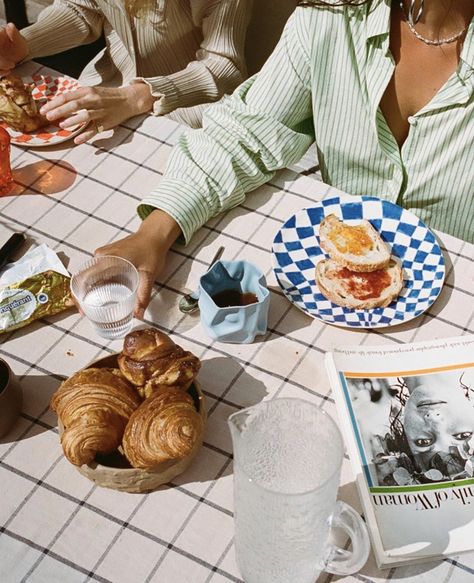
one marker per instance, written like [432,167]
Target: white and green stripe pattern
[324,81]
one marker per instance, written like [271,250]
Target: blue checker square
[352,210]
[314,251]
[389,237]
[306,290]
[284,259]
[304,264]
[315,215]
[421,256]
[391,211]
[406,229]
[296,245]
[398,250]
[296,277]
[305,232]
[278,237]
[396,316]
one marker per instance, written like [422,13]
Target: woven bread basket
[114,471]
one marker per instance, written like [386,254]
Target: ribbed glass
[105,288]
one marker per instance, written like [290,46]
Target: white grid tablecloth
[55,525]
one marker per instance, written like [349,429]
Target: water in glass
[109,309]
[106,287]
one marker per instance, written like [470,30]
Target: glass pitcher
[287,460]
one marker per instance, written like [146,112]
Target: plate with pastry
[358,262]
[133,421]
[20,101]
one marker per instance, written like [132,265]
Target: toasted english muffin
[357,247]
[359,290]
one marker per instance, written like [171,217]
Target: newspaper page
[407,412]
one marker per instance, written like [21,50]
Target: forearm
[264,126]
[139,98]
[62,26]
[160,230]
[201,82]
[211,170]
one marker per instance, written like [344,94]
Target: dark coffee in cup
[234,297]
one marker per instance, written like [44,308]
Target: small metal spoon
[189,302]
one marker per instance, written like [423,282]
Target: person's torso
[351,66]
[160,41]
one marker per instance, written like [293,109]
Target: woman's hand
[147,249]
[13,48]
[105,107]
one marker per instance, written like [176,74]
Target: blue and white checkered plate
[296,252]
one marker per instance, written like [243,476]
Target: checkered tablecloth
[55,525]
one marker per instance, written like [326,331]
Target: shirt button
[412,121]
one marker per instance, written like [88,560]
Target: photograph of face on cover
[416,429]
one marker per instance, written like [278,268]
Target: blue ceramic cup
[236,323]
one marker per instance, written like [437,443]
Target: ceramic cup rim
[264,288]
[3,388]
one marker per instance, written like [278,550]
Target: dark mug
[11,398]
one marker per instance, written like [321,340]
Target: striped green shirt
[324,83]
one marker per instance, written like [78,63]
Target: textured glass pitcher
[287,460]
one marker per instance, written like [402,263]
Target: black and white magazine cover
[408,418]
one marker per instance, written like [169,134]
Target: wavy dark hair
[321,3]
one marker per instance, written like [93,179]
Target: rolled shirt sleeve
[219,65]
[63,25]
[264,126]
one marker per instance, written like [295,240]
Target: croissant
[151,355]
[94,406]
[17,107]
[166,426]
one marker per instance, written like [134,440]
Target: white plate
[45,88]
[296,252]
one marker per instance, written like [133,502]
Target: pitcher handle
[339,561]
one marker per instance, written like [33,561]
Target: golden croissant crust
[166,426]
[151,354]
[94,406]
[84,438]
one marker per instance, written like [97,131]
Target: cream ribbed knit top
[188,51]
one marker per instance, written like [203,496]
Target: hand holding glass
[105,288]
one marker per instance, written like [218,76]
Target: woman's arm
[264,126]
[219,65]
[62,26]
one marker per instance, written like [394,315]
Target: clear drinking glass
[105,289]
[287,460]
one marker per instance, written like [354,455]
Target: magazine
[407,415]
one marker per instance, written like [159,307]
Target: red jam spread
[367,285]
